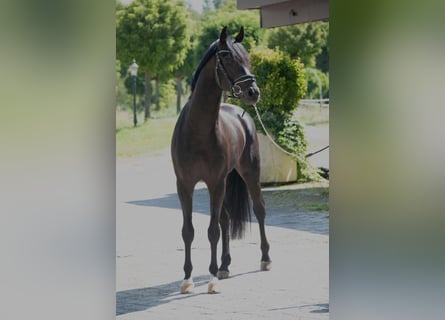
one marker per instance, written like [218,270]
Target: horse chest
[200,159]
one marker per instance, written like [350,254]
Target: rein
[235,84]
[237,93]
[278,146]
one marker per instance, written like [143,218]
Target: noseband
[234,84]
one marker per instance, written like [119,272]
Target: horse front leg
[216,201]
[185,194]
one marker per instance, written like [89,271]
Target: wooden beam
[275,13]
[256,4]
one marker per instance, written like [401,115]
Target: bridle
[235,88]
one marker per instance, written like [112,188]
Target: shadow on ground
[298,209]
[141,299]
[134,300]
[316,308]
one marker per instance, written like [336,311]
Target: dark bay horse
[217,143]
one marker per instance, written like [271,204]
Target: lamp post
[134,72]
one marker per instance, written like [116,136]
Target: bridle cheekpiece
[235,87]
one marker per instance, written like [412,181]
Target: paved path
[150,254]
[318,138]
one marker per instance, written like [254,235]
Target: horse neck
[205,100]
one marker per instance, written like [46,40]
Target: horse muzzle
[246,89]
[251,94]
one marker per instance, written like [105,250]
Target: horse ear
[240,36]
[223,35]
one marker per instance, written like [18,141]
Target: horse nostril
[251,92]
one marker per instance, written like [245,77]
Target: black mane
[206,57]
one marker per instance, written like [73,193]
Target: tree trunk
[158,106]
[178,94]
[147,96]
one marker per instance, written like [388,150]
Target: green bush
[282,82]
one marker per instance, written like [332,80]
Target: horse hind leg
[223,272]
[260,213]
[259,208]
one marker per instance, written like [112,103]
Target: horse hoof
[212,288]
[187,286]
[223,274]
[266,265]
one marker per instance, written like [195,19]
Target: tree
[220,3]
[118,5]
[154,33]
[185,70]
[309,43]
[206,6]
[317,84]
[229,16]
[211,5]
[304,41]
[322,60]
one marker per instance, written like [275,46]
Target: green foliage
[154,33]
[229,16]
[191,60]
[292,137]
[166,94]
[117,65]
[315,78]
[282,83]
[322,60]
[140,84]
[121,94]
[211,5]
[220,3]
[304,41]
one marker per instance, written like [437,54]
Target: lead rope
[278,146]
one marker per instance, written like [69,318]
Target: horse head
[232,68]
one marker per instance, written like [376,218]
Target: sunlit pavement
[150,255]
[318,138]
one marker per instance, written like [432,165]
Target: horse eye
[225,55]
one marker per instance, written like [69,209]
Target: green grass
[149,136]
[155,134]
[314,206]
[312,197]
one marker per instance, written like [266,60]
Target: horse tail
[236,202]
